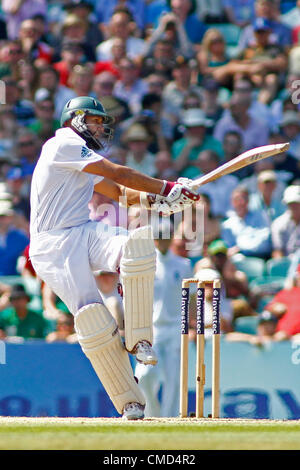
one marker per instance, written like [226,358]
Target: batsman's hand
[183,192]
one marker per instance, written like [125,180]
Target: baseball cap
[261,24]
[14,174]
[17,292]
[195,117]
[217,246]
[291,194]
[266,175]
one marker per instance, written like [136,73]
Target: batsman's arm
[125,176]
[115,191]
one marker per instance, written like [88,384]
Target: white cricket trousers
[66,260]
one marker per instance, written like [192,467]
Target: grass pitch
[149,434]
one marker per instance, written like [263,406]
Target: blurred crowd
[191,85]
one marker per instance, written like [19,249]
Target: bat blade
[242,160]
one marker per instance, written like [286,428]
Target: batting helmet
[77,109]
[87,105]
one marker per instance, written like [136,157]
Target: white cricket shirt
[60,190]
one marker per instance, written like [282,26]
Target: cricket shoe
[133,411]
[145,354]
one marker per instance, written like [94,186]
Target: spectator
[23,110]
[267,325]
[130,88]
[159,61]
[64,331]
[210,102]
[104,83]
[137,140]
[72,54]
[44,125]
[239,12]
[212,56]
[153,117]
[118,52]
[185,11]
[19,320]
[28,80]
[28,151]
[10,55]
[49,81]
[269,60]
[185,151]
[254,131]
[74,30]
[105,11]
[164,166]
[122,26]
[12,240]
[176,90]
[245,231]
[244,87]
[85,11]
[235,281]
[232,147]
[171,29]
[81,80]
[21,206]
[285,229]
[219,190]
[33,47]
[170,270]
[267,164]
[16,12]
[267,9]
[290,127]
[211,224]
[265,199]
[286,166]
[285,305]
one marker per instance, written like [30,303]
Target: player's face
[95,125]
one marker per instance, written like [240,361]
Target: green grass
[152,434]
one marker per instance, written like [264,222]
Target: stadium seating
[267,285]
[278,266]
[253,267]
[246,324]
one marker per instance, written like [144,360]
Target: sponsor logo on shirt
[85,152]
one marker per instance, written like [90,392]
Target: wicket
[200,364]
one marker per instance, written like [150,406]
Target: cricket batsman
[66,248]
